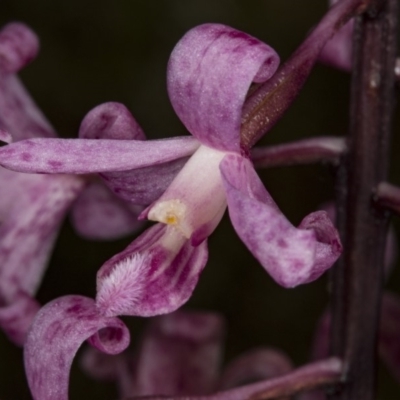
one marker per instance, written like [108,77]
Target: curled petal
[57,332]
[17,316]
[209,73]
[81,156]
[18,46]
[180,355]
[98,214]
[156,274]
[255,365]
[110,121]
[292,256]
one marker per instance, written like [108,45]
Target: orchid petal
[110,121]
[98,214]
[81,156]
[209,73]
[32,209]
[143,185]
[138,186]
[180,355]
[154,275]
[20,116]
[18,46]
[255,365]
[291,256]
[16,317]
[56,334]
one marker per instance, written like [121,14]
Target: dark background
[92,52]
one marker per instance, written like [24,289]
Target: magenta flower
[32,207]
[209,74]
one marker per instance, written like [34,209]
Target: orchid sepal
[292,256]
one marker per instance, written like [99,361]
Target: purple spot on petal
[282,243]
[26,156]
[54,163]
[74,309]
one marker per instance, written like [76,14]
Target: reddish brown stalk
[318,374]
[307,151]
[267,104]
[357,280]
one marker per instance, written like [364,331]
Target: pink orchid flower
[209,74]
[32,206]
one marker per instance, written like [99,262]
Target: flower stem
[324,149]
[311,376]
[357,280]
[268,103]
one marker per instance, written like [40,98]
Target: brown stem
[307,151]
[267,104]
[357,280]
[311,376]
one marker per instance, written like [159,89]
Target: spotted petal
[209,73]
[292,256]
[82,156]
[155,275]
[57,332]
[16,317]
[31,209]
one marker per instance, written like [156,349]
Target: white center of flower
[195,200]
[170,212]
